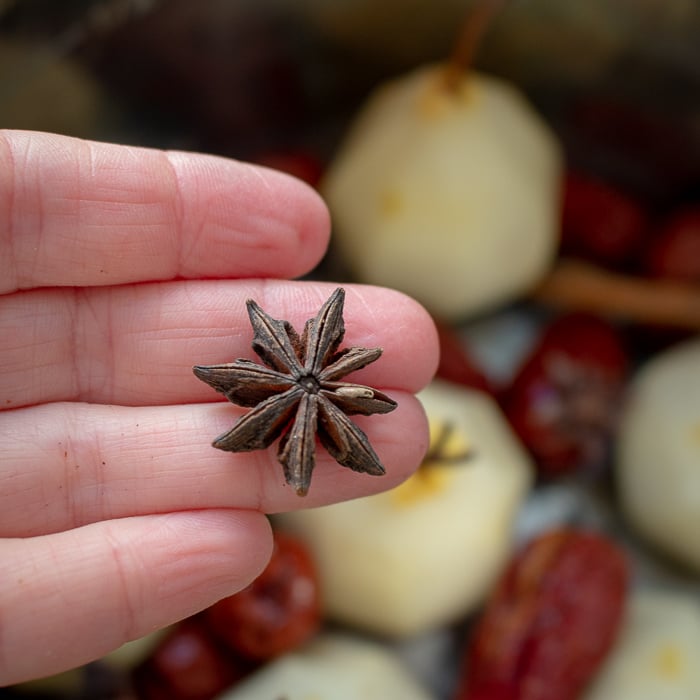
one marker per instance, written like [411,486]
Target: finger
[136,345]
[82,213]
[66,465]
[77,595]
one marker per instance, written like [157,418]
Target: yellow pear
[426,553]
[332,667]
[658,452]
[448,193]
[656,656]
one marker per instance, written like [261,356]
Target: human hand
[120,268]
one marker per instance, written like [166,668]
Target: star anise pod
[298,394]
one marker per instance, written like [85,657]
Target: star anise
[298,394]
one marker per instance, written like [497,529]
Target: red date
[563,401]
[455,363]
[600,223]
[675,251]
[277,612]
[187,665]
[301,164]
[551,621]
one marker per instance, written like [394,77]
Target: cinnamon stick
[581,286]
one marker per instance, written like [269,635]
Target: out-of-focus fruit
[426,553]
[656,655]
[187,665]
[658,452]
[302,164]
[78,102]
[278,611]
[332,667]
[455,363]
[674,252]
[449,193]
[601,223]
[228,69]
[652,150]
[564,400]
[550,622]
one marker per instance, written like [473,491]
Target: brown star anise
[298,394]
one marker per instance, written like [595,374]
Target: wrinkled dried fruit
[187,665]
[301,164]
[564,401]
[675,251]
[600,223]
[552,619]
[455,363]
[278,611]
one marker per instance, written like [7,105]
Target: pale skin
[120,268]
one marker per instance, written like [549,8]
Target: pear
[426,553]
[449,193]
[332,667]
[656,656]
[658,452]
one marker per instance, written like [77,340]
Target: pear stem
[474,28]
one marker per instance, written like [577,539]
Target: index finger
[81,213]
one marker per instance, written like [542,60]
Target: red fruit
[564,400]
[187,665]
[277,612]
[600,223]
[455,363]
[300,164]
[675,251]
[551,621]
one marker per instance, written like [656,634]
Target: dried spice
[298,394]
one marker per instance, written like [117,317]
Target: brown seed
[298,394]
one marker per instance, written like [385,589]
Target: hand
[120,268]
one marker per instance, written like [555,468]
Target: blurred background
[618,81]
[604,117]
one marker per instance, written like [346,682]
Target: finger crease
[178,224]
[127,609]
[10,267]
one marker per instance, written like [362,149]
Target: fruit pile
[547,548]
[564,425]
[208,653]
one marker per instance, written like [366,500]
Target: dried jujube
[550,622]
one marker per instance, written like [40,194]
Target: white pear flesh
[656,656]
[424,554]
[332,667]
[448,194]
[658,453]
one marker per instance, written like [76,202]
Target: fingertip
[95,214]
[259,222]
[78,595]
[402,440]
[236,544]
[312,216]
[404,329]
